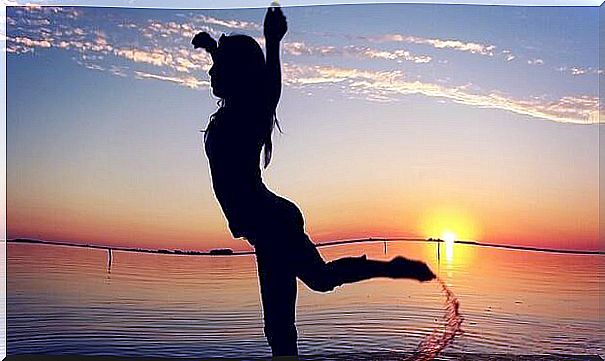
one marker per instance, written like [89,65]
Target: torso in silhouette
[249,85]
[233,147]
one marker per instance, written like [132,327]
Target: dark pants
[281,259]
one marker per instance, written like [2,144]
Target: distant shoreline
[229,252]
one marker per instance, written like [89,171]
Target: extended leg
[321,276]
[325,277]
[278,293]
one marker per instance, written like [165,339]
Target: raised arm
[275,29]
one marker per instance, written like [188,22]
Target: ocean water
[63,300]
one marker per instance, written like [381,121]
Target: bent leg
[278,294]
[325,276]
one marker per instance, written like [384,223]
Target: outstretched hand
[275,26]
[204,40]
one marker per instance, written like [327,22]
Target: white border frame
[190,4]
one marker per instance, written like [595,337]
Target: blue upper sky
[519,52]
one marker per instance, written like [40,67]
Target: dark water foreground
[384,356]
[65,301]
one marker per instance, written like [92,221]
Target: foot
[401,267]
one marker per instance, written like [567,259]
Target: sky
[398,119]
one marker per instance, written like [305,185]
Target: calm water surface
[63,300]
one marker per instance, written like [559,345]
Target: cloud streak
[155,50]
[453,44]
[389,85]
[579,70]
[231,24]
[188,81]
[400,55]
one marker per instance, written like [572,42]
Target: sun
[449,238]
[450,223]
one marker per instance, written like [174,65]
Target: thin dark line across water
[319,245]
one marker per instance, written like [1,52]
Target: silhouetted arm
[273,73]
[275,29]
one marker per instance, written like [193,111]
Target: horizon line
[230,252]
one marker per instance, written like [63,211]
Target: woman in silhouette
[249,87]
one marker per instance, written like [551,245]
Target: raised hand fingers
[275,25]
[277,11]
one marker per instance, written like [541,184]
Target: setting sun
[449,238]
[450,223]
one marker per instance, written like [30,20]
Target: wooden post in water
[438,250]
[385,247]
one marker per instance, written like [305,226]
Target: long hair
[246,79]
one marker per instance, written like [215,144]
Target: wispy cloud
[161,51]
[21,44]
[454,44]
[231,24]
[535,61]
[399,55]
[579,70]
[188,81]
[508,55]
[183,61]
[389,85]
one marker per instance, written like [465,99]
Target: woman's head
[238,73]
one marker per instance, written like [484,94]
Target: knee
[335,273]
[321,280]
[321,285]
